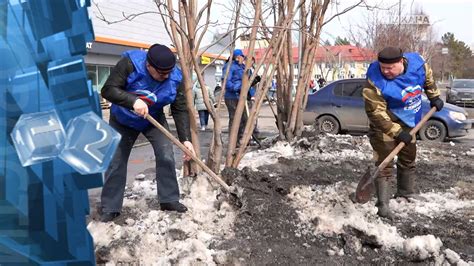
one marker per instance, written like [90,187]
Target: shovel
[173,139]
[365,188]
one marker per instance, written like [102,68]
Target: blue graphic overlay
[43,88]
[90,144]
[38,137]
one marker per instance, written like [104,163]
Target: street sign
[205,60]
[416,20]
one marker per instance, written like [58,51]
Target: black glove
[405,137]
[255,81]
[437,102]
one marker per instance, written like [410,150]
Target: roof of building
[346,53]
[219,45]
[146,46]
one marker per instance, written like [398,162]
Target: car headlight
[457,116]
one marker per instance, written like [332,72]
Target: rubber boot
[383,197]
[406,185]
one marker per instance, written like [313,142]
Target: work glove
[437,102]
[255,81]
[404,137]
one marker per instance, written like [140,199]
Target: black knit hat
[390,55]
[161,57]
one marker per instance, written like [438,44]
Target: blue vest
[155,93]
[402,94]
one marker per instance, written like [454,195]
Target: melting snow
[156,237]
[152,237]
[328,210]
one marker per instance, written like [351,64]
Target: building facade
[342,61]
[333,62]
[122,25]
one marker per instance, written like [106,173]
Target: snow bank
[148,236]
[437,203]
[334,148]
[153,237]
[258,158]
[327,210]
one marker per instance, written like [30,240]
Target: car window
[338,89]
[463,84]
[353,89]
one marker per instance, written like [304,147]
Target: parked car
[339,107]
[461,92]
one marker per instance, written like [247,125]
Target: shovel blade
[365,189]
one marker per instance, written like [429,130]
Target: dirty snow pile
[334,148]
[329,148]
[150,236]
[268,156]
[327,210]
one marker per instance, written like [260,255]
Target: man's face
[157,74]
[393,70]
[240,59]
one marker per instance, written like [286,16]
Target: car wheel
[433,130]
[328,124]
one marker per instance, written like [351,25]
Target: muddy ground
[286,200]
[266,227]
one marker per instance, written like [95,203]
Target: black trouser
[116,174]
[231,107]
[203,117]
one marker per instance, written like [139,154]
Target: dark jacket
[114,91]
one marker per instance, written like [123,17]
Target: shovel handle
[188,152]
[400,146]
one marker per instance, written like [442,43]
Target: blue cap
[237,52]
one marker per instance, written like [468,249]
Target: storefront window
[102,75]
[98,75]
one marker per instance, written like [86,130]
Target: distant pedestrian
[201,106]
[321,82]
[233,86]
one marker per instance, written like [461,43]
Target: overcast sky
[455,16]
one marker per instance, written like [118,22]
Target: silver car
[461,92]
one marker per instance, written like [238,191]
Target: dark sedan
[339,107]
[461,92]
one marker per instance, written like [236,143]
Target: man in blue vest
[233,86]
[142,83]
[392,98]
